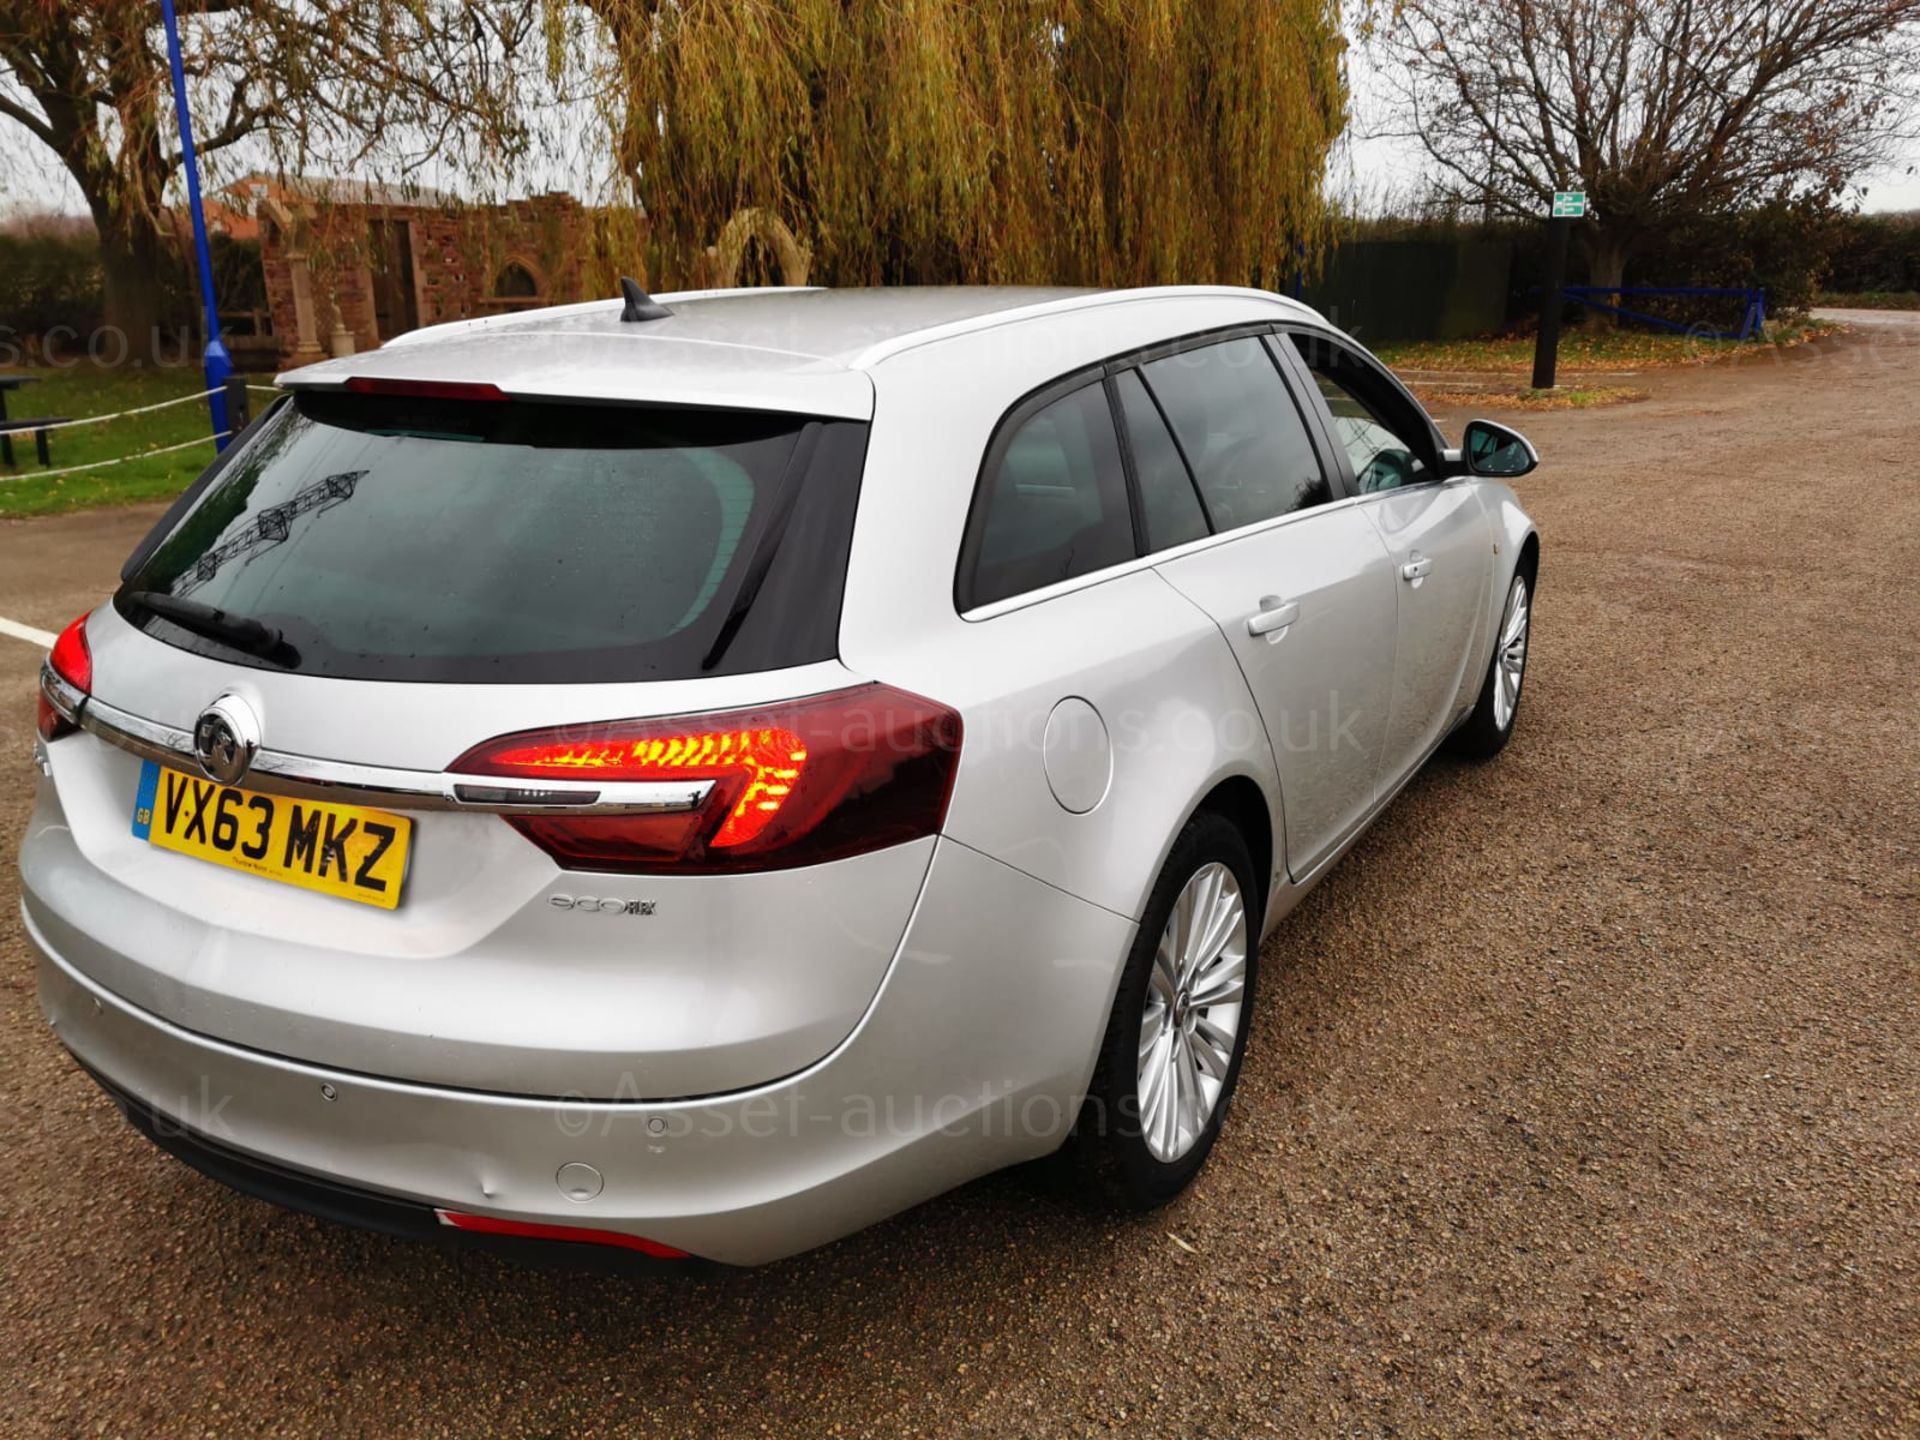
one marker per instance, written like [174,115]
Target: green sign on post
[1569,204]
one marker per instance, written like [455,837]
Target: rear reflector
[528,1230]
[795,783]
[48,721]
[72,660]
[425,389]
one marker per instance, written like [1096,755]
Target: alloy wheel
[1191,1025]
[1510,655]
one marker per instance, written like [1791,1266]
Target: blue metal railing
[1753,320]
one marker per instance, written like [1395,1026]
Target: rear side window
[1053,505]
[1240,431]
[1168,502]
[401,538]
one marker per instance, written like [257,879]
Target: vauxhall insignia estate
[694,776]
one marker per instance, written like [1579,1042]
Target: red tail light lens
[72,661]
[793,784]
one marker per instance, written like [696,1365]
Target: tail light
[794,784]
[72,662]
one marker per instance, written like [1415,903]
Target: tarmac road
[1583,1099]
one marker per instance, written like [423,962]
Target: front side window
[402,538]
[1240,431]
[1387,446]
[1053,502]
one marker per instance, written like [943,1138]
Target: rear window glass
[385,537]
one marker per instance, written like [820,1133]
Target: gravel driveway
[1584,1098]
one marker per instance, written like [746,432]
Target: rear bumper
[362,1209]
[974,1056]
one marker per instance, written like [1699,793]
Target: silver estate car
[698,775]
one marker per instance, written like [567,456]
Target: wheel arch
[1513,534]
[1239,800]
[1526,562]
[1529,561]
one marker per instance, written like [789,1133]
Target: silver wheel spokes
[1192,1018]
[1510,655]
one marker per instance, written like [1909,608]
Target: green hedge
[50,281]
[1874,254]
[1779,248]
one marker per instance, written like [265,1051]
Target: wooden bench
[9,428]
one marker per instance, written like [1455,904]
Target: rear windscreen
[401,538]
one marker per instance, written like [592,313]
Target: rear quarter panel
[1175,708]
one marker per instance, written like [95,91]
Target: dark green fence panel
[1381,290]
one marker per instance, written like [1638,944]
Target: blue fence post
[218,364]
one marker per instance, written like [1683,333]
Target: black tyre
[1171,1056]
[1485,732]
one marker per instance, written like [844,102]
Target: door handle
[1273,617]
[1416,569]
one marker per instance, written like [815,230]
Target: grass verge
[1874,300]
[1565,397]
[85,389]
[1590,350]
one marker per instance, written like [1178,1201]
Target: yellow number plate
[345,850]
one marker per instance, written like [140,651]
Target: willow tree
[388,82]
[1074,141]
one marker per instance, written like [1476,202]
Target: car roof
[802,350]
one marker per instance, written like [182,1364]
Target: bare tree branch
[406,77]
[23,116]
[1660,109]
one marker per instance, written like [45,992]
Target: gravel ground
[1582,1098]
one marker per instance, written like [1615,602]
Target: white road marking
[43,638]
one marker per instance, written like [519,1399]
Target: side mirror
[1495,451]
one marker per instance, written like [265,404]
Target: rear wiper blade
[242,633]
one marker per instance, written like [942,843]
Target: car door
[1436,534]
[1096,701]
[1300,586]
